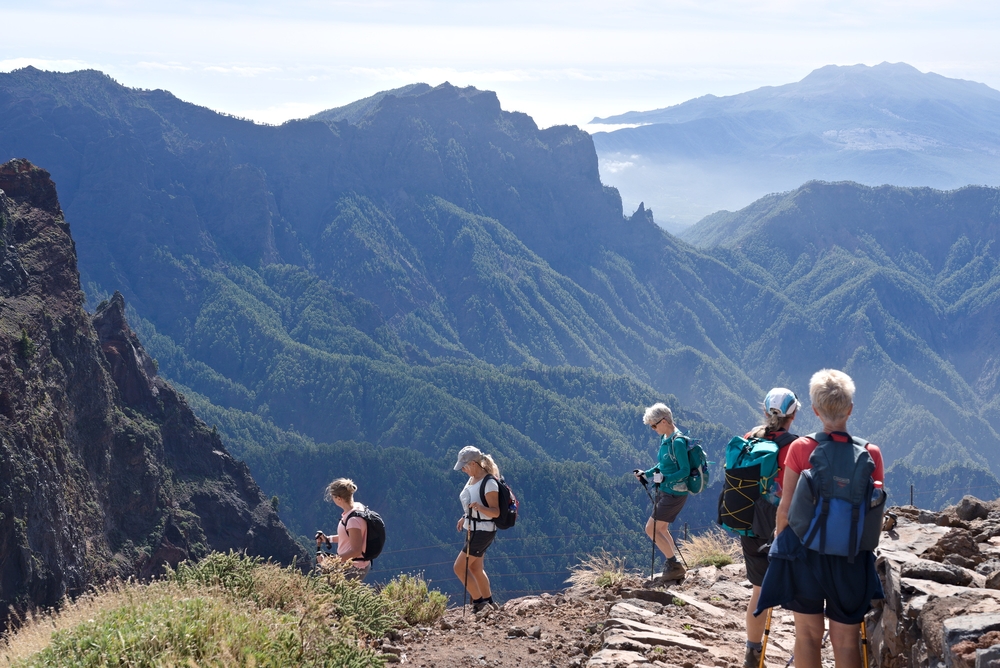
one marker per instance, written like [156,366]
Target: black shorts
[479,541]
[668,506]
[756,560]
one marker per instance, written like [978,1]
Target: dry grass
[714,547]
[35,634]
[226,610]
[601,570]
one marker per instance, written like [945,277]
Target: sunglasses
[656,424]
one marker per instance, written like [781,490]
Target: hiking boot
[488,605]
[752,658]
[674,571]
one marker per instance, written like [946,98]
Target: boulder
[970,508]
[956,547]
[993,581]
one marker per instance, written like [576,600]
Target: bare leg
[755,625]
[477,574]
[663,539]
[845,639]
[471,586]
[808,640]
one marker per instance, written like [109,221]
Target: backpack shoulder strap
[482,487]
[785,440]
[353,513]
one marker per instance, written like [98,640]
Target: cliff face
[104,470]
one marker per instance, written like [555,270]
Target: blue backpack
[698,475]
[836,508]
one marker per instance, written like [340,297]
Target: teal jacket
[673,464]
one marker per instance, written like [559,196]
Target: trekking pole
[468,542]
[767,632]
[652,556]
[864,644]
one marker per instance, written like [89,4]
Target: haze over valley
[886,124]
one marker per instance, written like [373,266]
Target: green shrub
[169,625]
[409,597]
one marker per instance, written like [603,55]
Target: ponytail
[490,466]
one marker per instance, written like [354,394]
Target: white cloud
[240,70]
[147,65]
[12,64]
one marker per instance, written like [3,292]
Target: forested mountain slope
[363,296]
[909,278]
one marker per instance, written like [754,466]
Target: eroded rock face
[937,608]
[105,470]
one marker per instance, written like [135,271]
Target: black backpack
[508,502]
[375,538]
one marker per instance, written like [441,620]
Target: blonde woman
[352,530]
[477,522]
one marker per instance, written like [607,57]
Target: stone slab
[651,635]
[910,586]
[621,641]
[630,611]
[695,603]
[614,658]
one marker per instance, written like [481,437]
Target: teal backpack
[751,474]
[698,479]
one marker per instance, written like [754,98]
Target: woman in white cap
[477,521]
[780,408]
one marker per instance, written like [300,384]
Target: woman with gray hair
[669,479]
[478,522]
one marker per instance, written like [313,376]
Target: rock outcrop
[106,472]
[940,572]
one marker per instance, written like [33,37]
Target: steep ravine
[104,470]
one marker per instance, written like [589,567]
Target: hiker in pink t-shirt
[352,531]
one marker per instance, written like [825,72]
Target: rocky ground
[941,573]
[698,622]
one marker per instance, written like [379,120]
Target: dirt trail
[697,623]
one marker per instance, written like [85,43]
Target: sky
[560,62]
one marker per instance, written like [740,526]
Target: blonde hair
[656,413]
[488,465]
[831,393]
[341,488]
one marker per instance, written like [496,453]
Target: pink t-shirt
[801,448]
[344,540]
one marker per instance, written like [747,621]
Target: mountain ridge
[349,299]
[886,124]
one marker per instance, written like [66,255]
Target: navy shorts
[846,589]
[668,506]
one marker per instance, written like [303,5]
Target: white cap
[781,401]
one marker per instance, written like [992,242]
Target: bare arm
[493,511]
[357,546]
[791,480]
